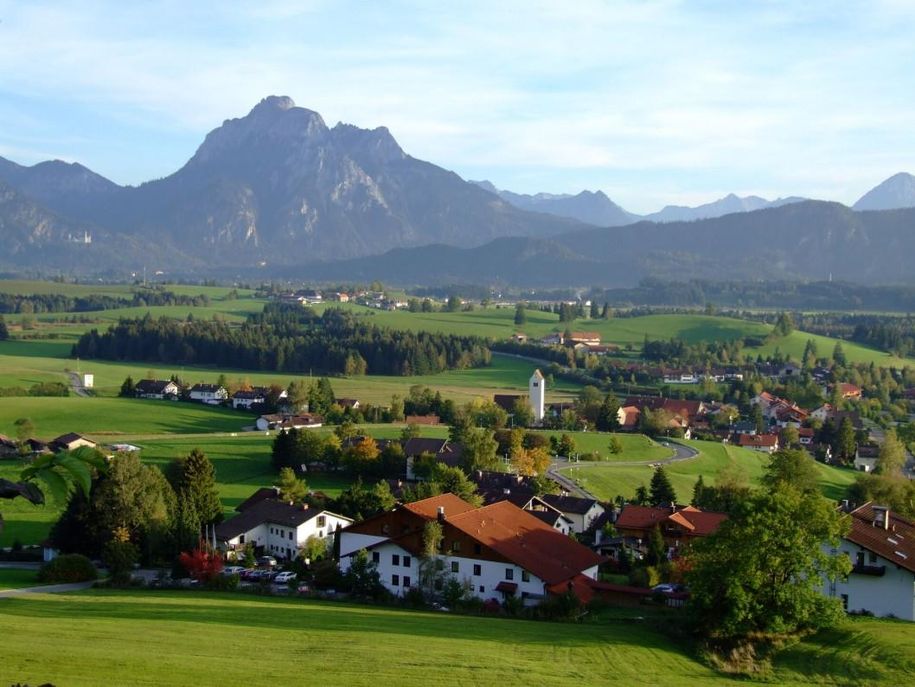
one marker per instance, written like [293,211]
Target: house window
[406,561]
[525,576]
[406,581]
[455,545]
[241,539]
[477,569]
[509,574]
[395,580]
[482,589]
[455,566]
[872,557]
[290,536]
[322,520]
[376,557]
[477,549]
[395,559]
[845,602]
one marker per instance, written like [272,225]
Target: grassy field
[105,418]
[89,638]
[606,481]
[25,287]
[636,447]
[13,578]
[26,362]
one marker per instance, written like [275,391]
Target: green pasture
[606,481]
[26,362]
[25,287]
[15,578]
[104,419]
[636,447]
[90,638]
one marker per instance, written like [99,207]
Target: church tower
[537,394]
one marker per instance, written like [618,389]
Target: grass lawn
[90,638]
[25,362]
[27,287]
[105,418]
[636,447]
[606,481]
[14,578]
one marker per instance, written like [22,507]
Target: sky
[651,102]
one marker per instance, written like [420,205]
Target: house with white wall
[881,547]
[497,551]
[581,512]
[277,528]
[211,394]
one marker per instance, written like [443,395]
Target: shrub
[644,577]
[223,583]
[71,567]
[120,557]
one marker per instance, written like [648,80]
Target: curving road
[681,453]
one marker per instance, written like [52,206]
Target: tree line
[57,302]
[286,338]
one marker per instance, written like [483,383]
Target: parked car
[250,575]
[668,588]
[233,570]
[284,578]
[266,562]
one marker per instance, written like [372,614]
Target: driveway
[45,589]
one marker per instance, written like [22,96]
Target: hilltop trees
[4,332]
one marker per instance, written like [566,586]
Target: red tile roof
[697,522]
[758,440]
[428,508]
[526,541]
[895,542]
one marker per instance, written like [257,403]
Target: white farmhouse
[537,395]
[881,546]
[497,551]
[211,394]
[277,528]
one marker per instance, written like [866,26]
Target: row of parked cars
[260,575]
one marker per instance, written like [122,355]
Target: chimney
[441,513]
[881,517]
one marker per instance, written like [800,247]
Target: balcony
[872,570]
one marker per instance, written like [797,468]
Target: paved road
[681,453]
[46,589]
[77,385]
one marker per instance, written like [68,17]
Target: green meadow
[179,638]
[606,480]
[14,578]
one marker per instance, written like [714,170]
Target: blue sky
[651,102]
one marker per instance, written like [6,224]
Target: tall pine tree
[661,491]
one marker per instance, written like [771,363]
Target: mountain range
[278,192]
[597,209]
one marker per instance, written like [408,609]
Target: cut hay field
[606,480]
[180,638]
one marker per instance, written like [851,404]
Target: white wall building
[537,395]
[498,551]
[881,547]
[278,529]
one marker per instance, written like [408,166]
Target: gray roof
[268,510]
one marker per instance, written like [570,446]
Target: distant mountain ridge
[811,240]
[896,192]
[597,209]
[278,192]
[278,186]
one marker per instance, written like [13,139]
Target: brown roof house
[497,551]
[881,547]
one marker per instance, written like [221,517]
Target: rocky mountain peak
[896,192]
